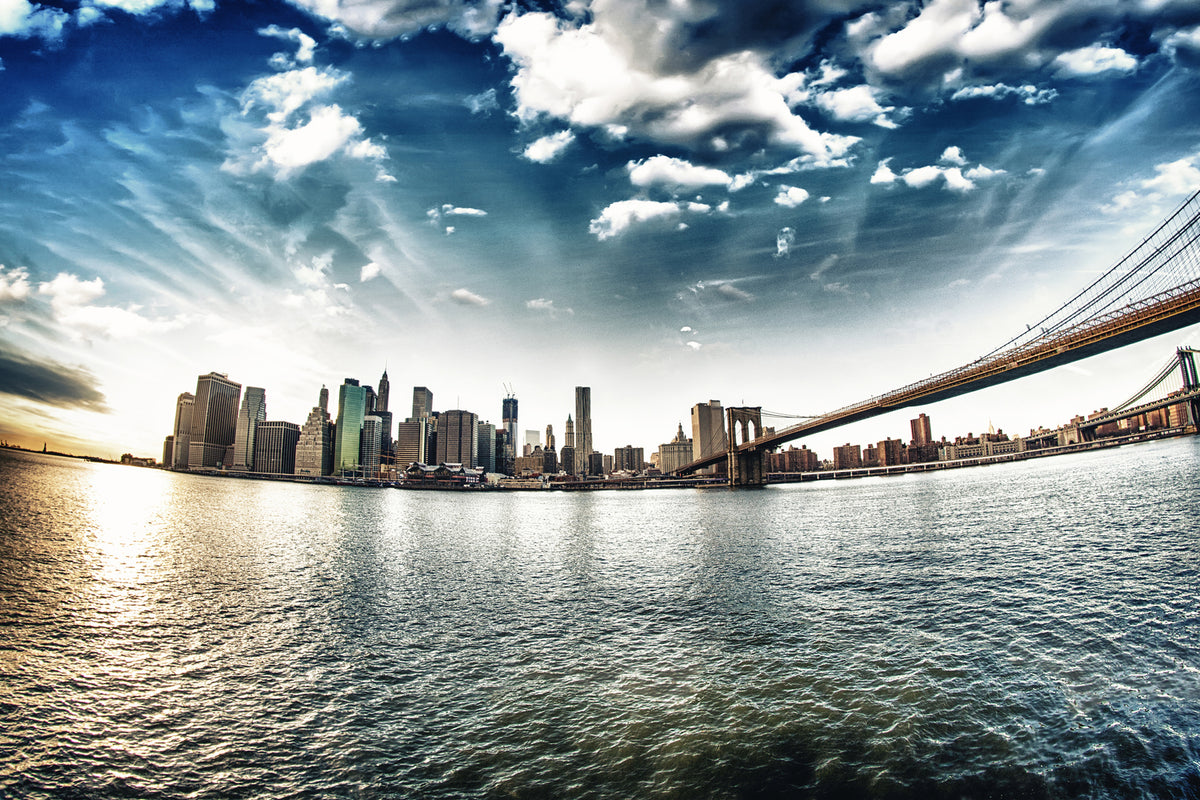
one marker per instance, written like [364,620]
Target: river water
[1017,630]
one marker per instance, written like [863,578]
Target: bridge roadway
[1144,319]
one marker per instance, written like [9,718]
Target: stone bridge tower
[746,467]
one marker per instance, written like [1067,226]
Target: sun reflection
[124,507]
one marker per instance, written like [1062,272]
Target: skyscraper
[214,420]
[381,401]
[275,447]
[675,453]
[314,449]
[509,414]
[422,402]
[708,431]
[458,438]
[487,447]
[348,433]
[369,445]
[921,431]
[183,430]
[253,411]
[549,437]
[583,428]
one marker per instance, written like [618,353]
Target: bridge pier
[1191,380]
[746,468]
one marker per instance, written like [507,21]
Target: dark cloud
[50,383]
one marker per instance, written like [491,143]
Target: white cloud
[1176,177]
[25,20]
[14,284]
[550,147]
[388,19]
[953,155]
[71,301]
[675,173]
[543,305]
[1028,94]
[784,241]
[733,293]
[597,75]
[791,196]
[624,214]
[305,44]
[1094,61]
[883,173]
[281,140]
[369,272]
[856,104]
[435,215]
[465,297]
[1182,43]
[482,103]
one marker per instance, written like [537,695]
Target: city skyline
[830,205]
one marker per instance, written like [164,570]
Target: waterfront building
[168,456]
[583,431]
[921,431]
[487,447]
[458,438]
[348,432]
[595,464]
[549,462]
[891,452]
[314,449]
[253,411]
[676,453]
[412,437]
[369,445]
[708,432]
[566,459]
[795,460]
[214,420]
[422,405]
[275,447]
[847,456]
[183,431]
[627,459]
[532,464]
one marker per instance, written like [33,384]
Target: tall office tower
[214,420]
[352,406]
[422,402]
[566,459]
[381,401]
[314,448]
[921,432]
[275,445]
[183,430]
[369,399]
[458,438]
[168,456]
[369,442]
[487,447]
[568,441]
[254,411]
[509,415]
[708,431]
[549,437]
[411,439]
[583,428]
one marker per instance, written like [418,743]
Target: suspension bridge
[1153,289]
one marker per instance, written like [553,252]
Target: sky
[788,205]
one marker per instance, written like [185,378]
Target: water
[1019,630]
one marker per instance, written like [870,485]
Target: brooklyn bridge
[1153,289]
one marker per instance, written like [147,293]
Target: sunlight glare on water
[1020,630]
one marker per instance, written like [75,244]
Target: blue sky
[793,205]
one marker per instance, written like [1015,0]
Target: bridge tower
[1191,380]
[747,467]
